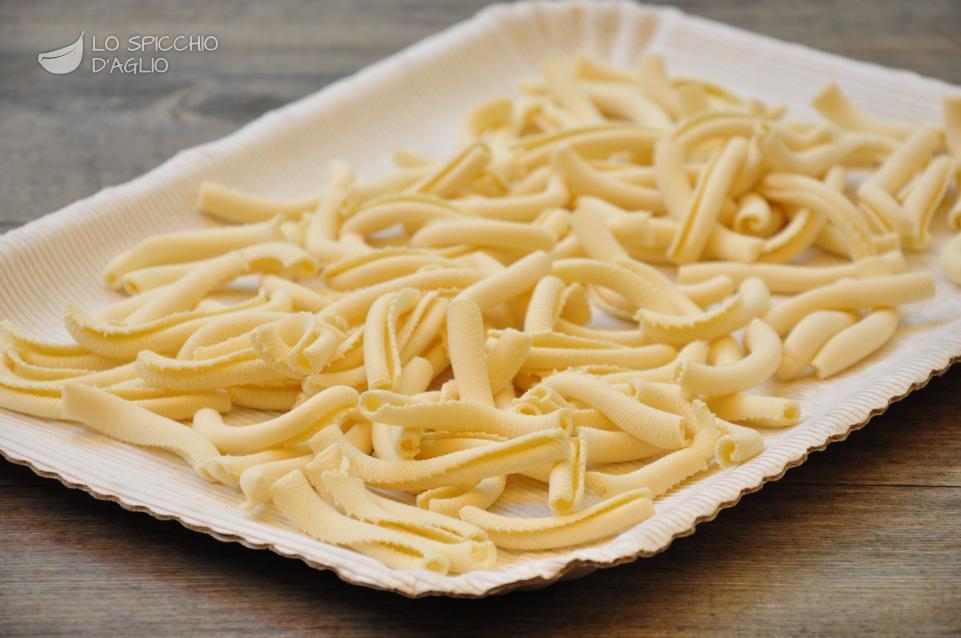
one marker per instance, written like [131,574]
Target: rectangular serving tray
[415,100]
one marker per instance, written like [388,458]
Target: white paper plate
[415,99]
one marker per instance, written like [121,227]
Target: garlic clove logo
[63,60]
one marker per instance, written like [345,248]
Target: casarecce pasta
[431,348]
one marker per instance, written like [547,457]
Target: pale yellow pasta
[806,338]
[350,495]
[255,481]
[392,183]
[230,205]
[297,500]
[506,358]
[737,444]
[396,442]
[227,469]
[694,351]
[167,334]
[672,179]
[891,290]
[352,307]
[755,216]
[752,170]
[561,358]
[576,303]
[492,114]
[20,367]
[590,142]
[701,130]
[517,208]
[567,92]
[177,406]
[664,288]
[604,519]
[297,345]
[420,329]
[545,306]
[507,284]
[692,98]
[533,182]
[264,397]
[305,419]
[669,470]
[228,345]
[704,204]
[790,279]
[153,277]
[450,499]
[188,246]
[764,355]
[822,200]
[52,355]
[438,443]
[952,124]
[449,178]
[504,399]
[42,397]
[359,434]
[456,416]
[377,266]
[294,231]
[320,233]
[854,343]
[241,367]
[465,343]
[608,446]
[623,337]
[649,424]
[725,244]
[877,193]
[756,410]
[582,179]
[625,103]
[526,452]
[589,68]
[925,198]
[816,161]
[832,104]
[951,259]
[710,291]
[409,210]
[595,237]
[725,351]
[751,301]
[638,291]
[565,488]
[485,233]
[382,362]
[557,221]
[655,84]
[183,294]
[124,421]
[540,399]
[302,297]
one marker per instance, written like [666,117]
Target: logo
[137,54]
[63,60]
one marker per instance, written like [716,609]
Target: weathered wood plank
[860,539]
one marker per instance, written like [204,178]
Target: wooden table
[862,539]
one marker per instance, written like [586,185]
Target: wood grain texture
[861,539]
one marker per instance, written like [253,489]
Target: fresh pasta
[581,308]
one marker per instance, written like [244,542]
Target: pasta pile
[429,336]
